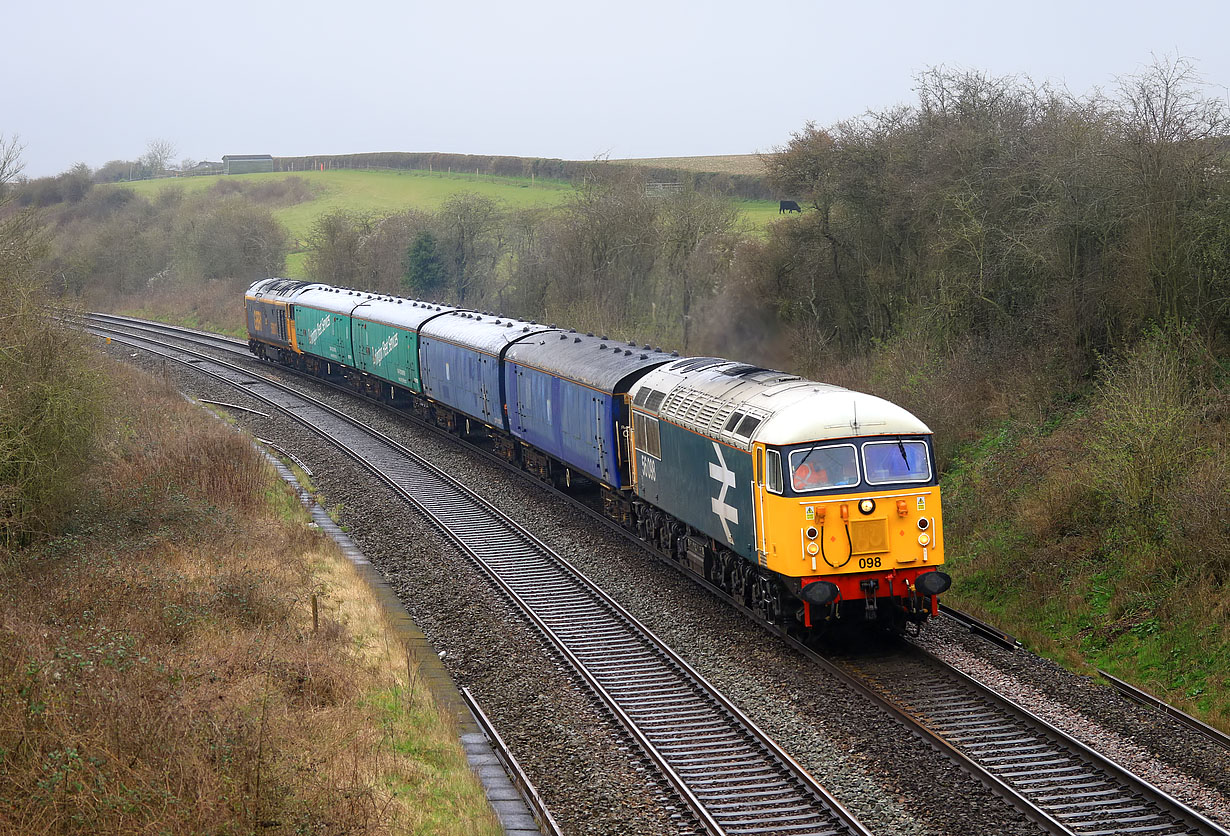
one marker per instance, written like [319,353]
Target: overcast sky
[90,82]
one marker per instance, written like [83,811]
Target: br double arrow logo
[726,514]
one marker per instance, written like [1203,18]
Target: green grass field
[383,192]
[380,192]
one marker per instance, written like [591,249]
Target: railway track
[730,775]
[1056,781]
[1073,789]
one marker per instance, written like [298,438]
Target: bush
[228,237]
[50,397]
[1146,413]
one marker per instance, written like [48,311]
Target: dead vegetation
[162,672]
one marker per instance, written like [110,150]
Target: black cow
[785,206]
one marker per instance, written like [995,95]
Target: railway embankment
[189,655]
[1098,534]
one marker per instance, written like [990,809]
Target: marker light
[811,533]
[813,549]
[924,539]
[923,522]
[867,506]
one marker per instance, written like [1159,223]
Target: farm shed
[246,163]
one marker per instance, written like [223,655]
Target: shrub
[228,237]
[1146,415]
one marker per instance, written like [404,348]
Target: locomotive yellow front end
[851,518]
[856,524]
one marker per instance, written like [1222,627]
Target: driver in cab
[818,471]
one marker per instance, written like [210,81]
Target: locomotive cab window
[773,471]
[824,468]
[889,462]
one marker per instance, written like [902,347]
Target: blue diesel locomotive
[807,502]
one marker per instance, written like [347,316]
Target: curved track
[732,777]
[1056,781]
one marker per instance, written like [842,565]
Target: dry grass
[161,673]
[720,163]
[212,305]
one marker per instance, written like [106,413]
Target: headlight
[867,506]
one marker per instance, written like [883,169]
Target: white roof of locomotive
[702,394]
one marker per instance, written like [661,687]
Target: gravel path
[584,768]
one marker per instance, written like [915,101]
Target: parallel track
[1075,789]
[732,777]
[1058,782]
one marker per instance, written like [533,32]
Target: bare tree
[11,164]
[158,155]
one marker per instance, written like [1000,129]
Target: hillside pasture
[383,192]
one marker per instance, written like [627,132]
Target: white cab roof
[738,404]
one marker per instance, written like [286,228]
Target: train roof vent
[654,400]
[742,369]
[692,364]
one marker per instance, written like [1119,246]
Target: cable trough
[731,776]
